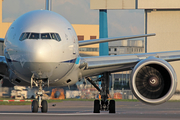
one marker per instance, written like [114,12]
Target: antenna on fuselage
[49,5]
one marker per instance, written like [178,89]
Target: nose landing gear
[39,103]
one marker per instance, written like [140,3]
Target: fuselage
[41,44]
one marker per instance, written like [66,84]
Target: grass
[51,101]
[72,99]
[26,102]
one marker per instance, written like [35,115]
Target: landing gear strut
[39,103]
[104,104]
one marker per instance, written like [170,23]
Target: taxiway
[82,110]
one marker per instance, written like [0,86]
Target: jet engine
[153,81]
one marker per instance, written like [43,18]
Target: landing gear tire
[34,106]
[112,106]
[44,106]
[96,106]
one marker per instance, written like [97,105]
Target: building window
[80,37]
[115,49]
[92,37]
[109,49]
[121,50]
[89,49]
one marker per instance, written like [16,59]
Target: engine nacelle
[153,81]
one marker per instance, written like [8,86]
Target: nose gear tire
[44,107]
[34,106]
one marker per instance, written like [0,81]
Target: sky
[120,22]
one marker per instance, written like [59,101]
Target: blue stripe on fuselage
[70,61]
[77,60]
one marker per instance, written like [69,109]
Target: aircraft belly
[71,76]
[51,70]
[60,71]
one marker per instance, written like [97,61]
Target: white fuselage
[41,58]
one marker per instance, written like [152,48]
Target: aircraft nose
[37,51]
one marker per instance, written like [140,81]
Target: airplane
[41,49]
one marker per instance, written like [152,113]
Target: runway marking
[50,114]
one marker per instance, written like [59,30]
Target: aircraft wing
[2,40]
[99,64]
[3,66]
[101,40]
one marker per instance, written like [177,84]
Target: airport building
[160,17]
[126,47]
[87,32]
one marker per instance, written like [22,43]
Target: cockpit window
[21,36]
[34,36]
[54,36]
[45,36]
[58,37]
[24,36]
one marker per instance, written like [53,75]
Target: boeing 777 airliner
[41,49]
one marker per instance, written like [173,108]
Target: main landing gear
[39,103]
[104,104]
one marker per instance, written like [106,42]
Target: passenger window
[58,37]
[34,36]
[53,36]
[24,36]
[45,36]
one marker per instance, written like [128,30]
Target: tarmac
[83,110]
